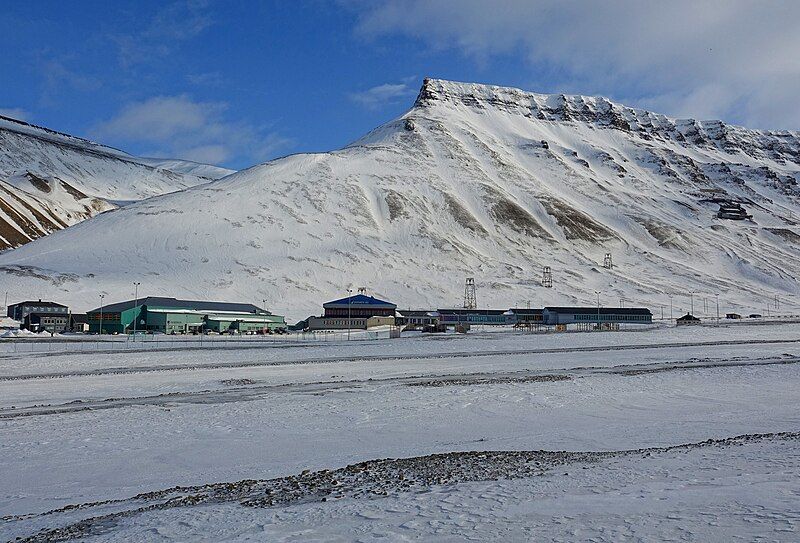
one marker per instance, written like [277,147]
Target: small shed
[687,319]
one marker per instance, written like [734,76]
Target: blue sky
[236,83]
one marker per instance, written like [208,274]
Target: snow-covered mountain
[473,181]
[50,180]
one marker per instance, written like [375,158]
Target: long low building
[602,315]
[451,317]
[173,316]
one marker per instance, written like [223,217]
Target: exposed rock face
[479,181]
[50,180]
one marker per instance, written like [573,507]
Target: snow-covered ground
[85,427]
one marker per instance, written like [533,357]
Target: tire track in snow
[126,370]
[258,392]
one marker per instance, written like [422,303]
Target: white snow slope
[480,181]
[50,180]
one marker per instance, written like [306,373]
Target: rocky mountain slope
[50,180]
[474,180]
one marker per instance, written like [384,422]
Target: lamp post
[670,307]
[717,295]
[691,302]
[349,320]
[135,306]
[598,308]
[101,314]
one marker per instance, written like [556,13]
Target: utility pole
[135,306]
[349,320]
[691,302]
[717,295]
[662,311]
[670,307]
[101,313]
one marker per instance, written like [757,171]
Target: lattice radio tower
[607,262]
[470,298]
[547,277]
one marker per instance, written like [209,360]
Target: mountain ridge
[462,184]
[51,180]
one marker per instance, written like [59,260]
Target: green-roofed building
[173,316]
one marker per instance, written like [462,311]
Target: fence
[146,342]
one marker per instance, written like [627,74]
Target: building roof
[39,303]
[418,312]
[526,311]
[688,317]
[461,311]
[173,303]
[602,310]
[359,300]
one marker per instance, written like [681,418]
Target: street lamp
[101,313]
[349,320]
[598,308]
[135,306]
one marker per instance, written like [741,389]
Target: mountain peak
[602,112]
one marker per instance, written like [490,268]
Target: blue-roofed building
[354,312]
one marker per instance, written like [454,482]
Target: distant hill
[50,180]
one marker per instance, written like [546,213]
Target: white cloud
[180,127]
[171,25]
[15,113]
[382,95]
[210,79]
[717,58]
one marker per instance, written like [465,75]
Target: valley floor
[671,434]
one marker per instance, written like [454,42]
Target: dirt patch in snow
[576,224]
[395,203]
[667,236]
[471,380]
[786,234]
[511,214]
[57,279]
[462,215]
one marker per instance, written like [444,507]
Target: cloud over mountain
[735,60]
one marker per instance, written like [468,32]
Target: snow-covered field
[475,426]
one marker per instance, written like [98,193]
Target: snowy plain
[78,428]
